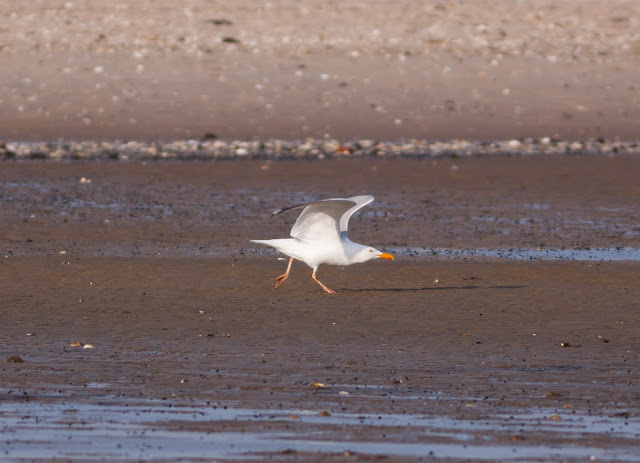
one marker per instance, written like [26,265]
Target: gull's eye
[370,250]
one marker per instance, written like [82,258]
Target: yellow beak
[384,255]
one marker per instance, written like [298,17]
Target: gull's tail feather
[277,243]
[284,245]
[267,242]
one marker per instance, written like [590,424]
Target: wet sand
[196,356]
[480,345]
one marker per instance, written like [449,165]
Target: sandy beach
[143,144]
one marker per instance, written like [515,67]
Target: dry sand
[295,69]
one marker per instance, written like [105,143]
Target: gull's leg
[283,277]
[313,275]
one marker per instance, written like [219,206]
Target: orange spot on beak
[384,255]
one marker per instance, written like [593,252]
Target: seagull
[319,236]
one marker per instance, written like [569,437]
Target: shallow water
[152,430]
[589,254]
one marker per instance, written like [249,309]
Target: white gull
[319,236]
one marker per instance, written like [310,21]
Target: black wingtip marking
[285,209]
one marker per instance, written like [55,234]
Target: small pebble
[514,144]
[15,359]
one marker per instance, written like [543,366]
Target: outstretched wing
[360,202]
[325,220]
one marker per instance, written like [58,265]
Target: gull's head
[372,253]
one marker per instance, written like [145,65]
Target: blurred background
[475,69]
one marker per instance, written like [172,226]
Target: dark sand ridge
[180,311]
[205,208]
[296,69]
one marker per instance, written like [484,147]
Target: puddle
[590,254]
[150,430]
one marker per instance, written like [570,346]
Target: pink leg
[313,275]
[283,277]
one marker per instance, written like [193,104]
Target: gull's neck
[350,248]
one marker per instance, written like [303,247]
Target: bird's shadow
[431,288]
